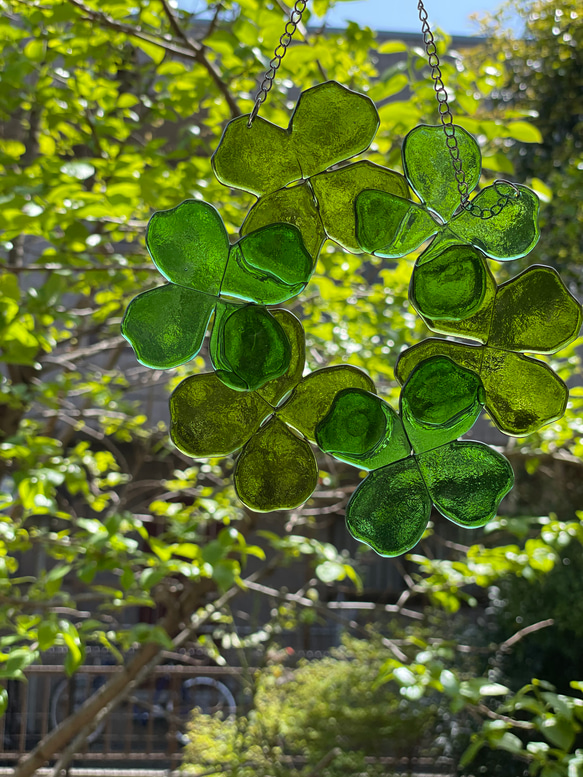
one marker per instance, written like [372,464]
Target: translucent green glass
[390,226]
[276,469]
[363,430]
[466,481]
[275,390]
[390,509]
[468,356]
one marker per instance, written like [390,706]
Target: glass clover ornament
[190,246]
[274,426]
[414,458]
[289,169]
[533,312]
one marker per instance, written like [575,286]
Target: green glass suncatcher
[258,403]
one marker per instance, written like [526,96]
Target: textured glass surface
[466,481]
[427,165]
[275,390]
[440,402]
[391,228]
[210,419]
[534,312]
[390,509]
[276,469]
[166,326]
[363,430]
[452,286]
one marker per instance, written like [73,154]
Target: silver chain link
[279,53]
[446,119]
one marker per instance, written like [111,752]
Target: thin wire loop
[291,26]
[446,118]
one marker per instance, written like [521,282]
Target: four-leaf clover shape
[190,246]
[276,469]
[532,312]
[329,125]
[415,459]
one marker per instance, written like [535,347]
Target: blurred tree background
[111,110]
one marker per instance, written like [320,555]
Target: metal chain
[446,119]
[279,53]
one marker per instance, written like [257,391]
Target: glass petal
[450,286]
[390,226]
[248,347]
[257,159]
[330,124]
[439,402]
[511,234]
[429,169]
[390,509]
[535,312]
[363,430]
[522,394]
[166,326]
[466,481]
[312,398]
[468,356]
[189,245]
[296,206]
[209,419]
[336,192]
[275,390]
[276,470]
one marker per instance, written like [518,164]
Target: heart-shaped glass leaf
[275,390]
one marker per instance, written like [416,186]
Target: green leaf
[156,53]
[3,701]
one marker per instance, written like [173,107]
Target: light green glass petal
[522,394]
[451,286]
[189,245]
[209,419]
[363,430]
[535,312]
[466,481]
[296,206]
[428,166]
[312,398]
[336,192]
[390,226]
[248,347]
[166,326]
[258,159]
[276,470]
[468,356]
[268,266]
[511,234]
[439,402]
[330,124]
[390,509]
[275,390]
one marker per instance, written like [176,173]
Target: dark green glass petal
[166,326]
[450,286]
[276,470]
[428,167]
[363,430]
[535,312]
[390,509]
[275,390]
[466,481]
[330,124]
[210,419]
[511,234]
[312,398]
[439,402]
[336,192]
[248,347]
[257,159]
[522,394]
[390,226]
[468,356]
[296,206]
[189,245]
